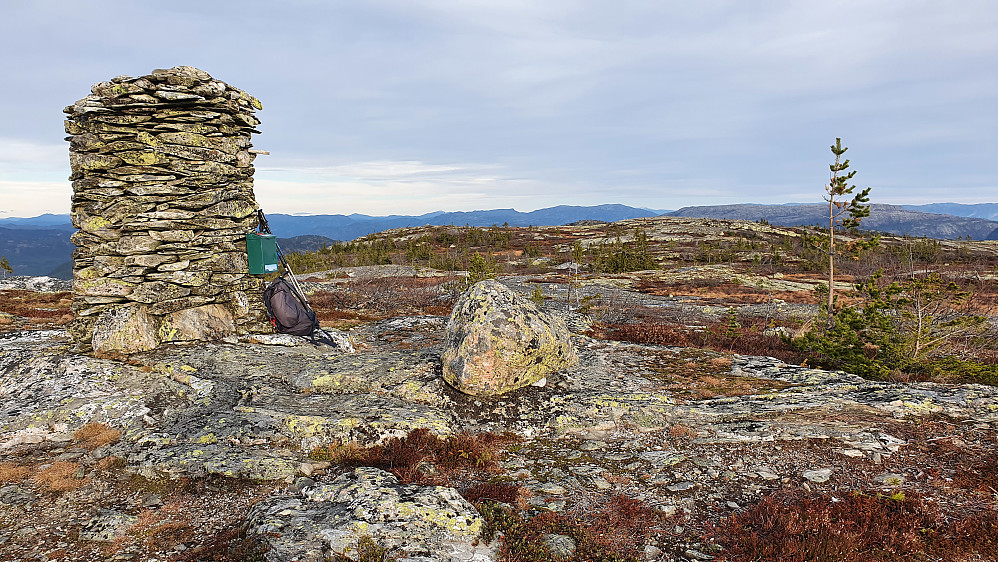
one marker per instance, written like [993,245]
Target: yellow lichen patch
[95,223]
[141,158]
[309,426]
[167,332]
[147,138]
[103,287]
[327,381]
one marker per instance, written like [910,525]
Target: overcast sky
[385,107]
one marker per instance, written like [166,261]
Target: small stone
[767,474]
[152,500]
[560,546]
[668,510]
[301,484]
[602,484]
[555,505]
[891,479]
[696,554]
[552,489]
[818,476]
[107,525]
[15,495]
[680,486]
[652,552]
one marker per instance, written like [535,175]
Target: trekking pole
[299,292]
[296,288]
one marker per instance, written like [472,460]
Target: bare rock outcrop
[418,522]
[498,341]
[162,197]
[615,423]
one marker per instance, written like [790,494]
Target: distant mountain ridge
[987,211]
[893,219]
[34,250]
[40,245]
[348,227]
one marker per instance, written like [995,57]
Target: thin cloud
[432,104]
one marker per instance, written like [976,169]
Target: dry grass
[33,310]
[680,430]
[746,339]
[503,492]
[34,304]
[110,463]
[365,300]
[160,530]
[716,289]
[12,472]
[94,435]
[720,362]
[59,476]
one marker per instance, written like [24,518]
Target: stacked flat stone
[163,197]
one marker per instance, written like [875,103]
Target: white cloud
[32,178]
[22,155]
[389,187]
[29,199]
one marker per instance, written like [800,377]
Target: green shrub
[902,328]
[617,257]
[537,295]
[481,268]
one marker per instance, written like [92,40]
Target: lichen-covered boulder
[413,521]
[498,341]
[206,323]
[125,329]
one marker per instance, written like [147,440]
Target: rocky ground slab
[209,430]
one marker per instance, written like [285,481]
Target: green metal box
[261,251]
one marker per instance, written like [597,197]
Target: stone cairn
[162,172]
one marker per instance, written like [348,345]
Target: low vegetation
[423,457]
[855,527]
[616,532]
[468,462]
[903,308]
[22,309]
[363,300]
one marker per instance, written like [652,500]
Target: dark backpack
[287,314]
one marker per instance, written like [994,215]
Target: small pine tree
[481,268]
[856,209]
[5,268]
[537,295]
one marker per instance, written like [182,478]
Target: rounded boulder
[498,341]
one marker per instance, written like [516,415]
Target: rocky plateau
[218,436]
